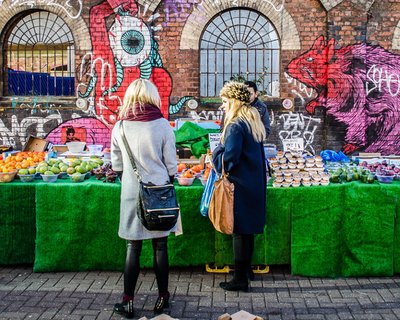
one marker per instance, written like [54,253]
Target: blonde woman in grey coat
[152,142]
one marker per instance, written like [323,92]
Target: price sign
[214,139]
[296,144]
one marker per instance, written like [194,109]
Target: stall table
[348,229]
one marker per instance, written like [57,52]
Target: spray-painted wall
[339,70]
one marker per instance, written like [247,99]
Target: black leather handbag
[158,208]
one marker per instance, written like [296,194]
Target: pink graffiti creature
[352,94]
[123,53]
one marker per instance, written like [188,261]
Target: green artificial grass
[349,229]
[17,223]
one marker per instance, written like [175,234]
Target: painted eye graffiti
[132,42]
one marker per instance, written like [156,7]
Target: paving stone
[195,294]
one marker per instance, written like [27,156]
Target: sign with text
[214,139]
[296,144]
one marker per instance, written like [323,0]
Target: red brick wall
[349,24]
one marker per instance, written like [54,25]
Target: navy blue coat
[244,160]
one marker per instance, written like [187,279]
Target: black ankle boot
[161,303]
[125,308]
[235,285]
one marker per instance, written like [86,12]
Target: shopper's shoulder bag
[221,207]
[158,209]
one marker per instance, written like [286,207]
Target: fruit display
[21,160]
[364,172]
[26,177]
[105,173]
[7,176]
[351,172]
[49,176]
[381,168]
[185,181]
[77,177]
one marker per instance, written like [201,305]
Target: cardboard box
[240,315]
[60,148]
[35,144]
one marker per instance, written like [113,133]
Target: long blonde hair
[239,108]
[139,92]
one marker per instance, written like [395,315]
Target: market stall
[347,229]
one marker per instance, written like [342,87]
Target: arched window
[40,56]
[239,43]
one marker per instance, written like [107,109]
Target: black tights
[160,265]
[243,246]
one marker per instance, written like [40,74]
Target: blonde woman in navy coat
[244,160]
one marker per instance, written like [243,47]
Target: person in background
[152,142]
[71,135]
[242,151]
[259,105]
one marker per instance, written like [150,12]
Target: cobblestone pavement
[195,294]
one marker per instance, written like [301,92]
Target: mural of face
[121,54]
[130,40]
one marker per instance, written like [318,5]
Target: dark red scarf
[148,112]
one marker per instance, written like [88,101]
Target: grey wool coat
[153,146]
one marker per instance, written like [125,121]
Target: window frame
[272,53]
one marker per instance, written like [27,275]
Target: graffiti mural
[358,85]
[64,5]
[124,52]
[297,125]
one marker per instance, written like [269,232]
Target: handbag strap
[128,150]
[223,173]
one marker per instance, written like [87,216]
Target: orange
[187,174]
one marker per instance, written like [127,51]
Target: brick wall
[349,101]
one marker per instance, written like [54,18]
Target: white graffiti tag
[303,89]
[66,6]
[379,79]
[297,125]
[18,131]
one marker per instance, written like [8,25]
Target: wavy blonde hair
[139,92]
[239,108]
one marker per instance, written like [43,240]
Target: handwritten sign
[296,144]
[214,139]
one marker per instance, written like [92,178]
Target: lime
[63,167]
[71,170]
[55,170]
[23,171]
[42,169]
[81,169]
[32,170]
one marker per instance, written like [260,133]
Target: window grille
[239,44]
[40,57]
